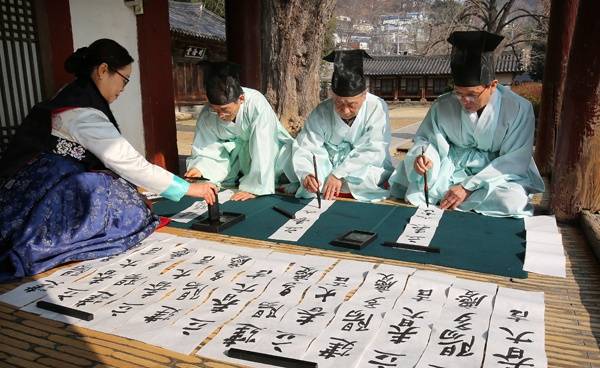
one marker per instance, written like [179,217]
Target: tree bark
[562,24]
[292,39]
[576,179]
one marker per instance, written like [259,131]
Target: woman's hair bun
[76,63]
[85,59]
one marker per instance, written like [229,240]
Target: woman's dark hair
[85,59]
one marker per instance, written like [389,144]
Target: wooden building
[197,35]
[401,77]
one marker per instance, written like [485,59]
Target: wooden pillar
[562,23]
[576,175]
[396,88]
[156,79]
[53,21]
[242,26]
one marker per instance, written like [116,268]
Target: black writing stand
[215,221]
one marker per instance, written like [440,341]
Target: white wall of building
[91,20]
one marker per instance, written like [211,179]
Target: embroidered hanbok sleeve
[92,129]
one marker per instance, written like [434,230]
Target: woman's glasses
[125,79]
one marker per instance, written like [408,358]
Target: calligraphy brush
[316,177]
[194,178]
[425,187]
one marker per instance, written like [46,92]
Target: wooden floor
[572,318]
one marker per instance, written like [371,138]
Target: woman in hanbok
[68,178]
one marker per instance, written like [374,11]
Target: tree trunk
[292,39]
[562,23]
[576,178]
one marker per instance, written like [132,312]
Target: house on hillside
[401,77]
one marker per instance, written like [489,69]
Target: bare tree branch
[520,41]
[502,25]
[504,15]
[505,8]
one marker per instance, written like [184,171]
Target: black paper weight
[215,221]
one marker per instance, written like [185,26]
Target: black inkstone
[354,239]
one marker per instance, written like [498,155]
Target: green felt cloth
[466,240]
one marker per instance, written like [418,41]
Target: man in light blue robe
[477,141]
[238,136]
[349,134]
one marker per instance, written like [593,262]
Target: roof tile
[429,65]
[194,20]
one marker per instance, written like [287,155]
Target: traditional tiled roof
[193,19]
[508,63]
[429,65]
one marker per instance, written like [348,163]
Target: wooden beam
[243,29]
[156,79]
[53,22]
[576,178]
[562,24]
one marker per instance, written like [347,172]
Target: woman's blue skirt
[53,211]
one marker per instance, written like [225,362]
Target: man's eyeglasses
[125,79]
[471,96]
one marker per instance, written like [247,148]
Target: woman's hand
[208,191]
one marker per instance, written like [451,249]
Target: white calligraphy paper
[427,215]
[283,343]
[545,259]
[417,234]
[456,339]
[544,251]
[541,223]
[186,333]
[294,306]
[421,227]
[293,229]
[239,335]
[29,292]
[145,324]
[382,287]
[405,331]
[516,334]
[264,312]
[544,237]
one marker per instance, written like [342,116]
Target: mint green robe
[255,146]
[490,155]
[358,154]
